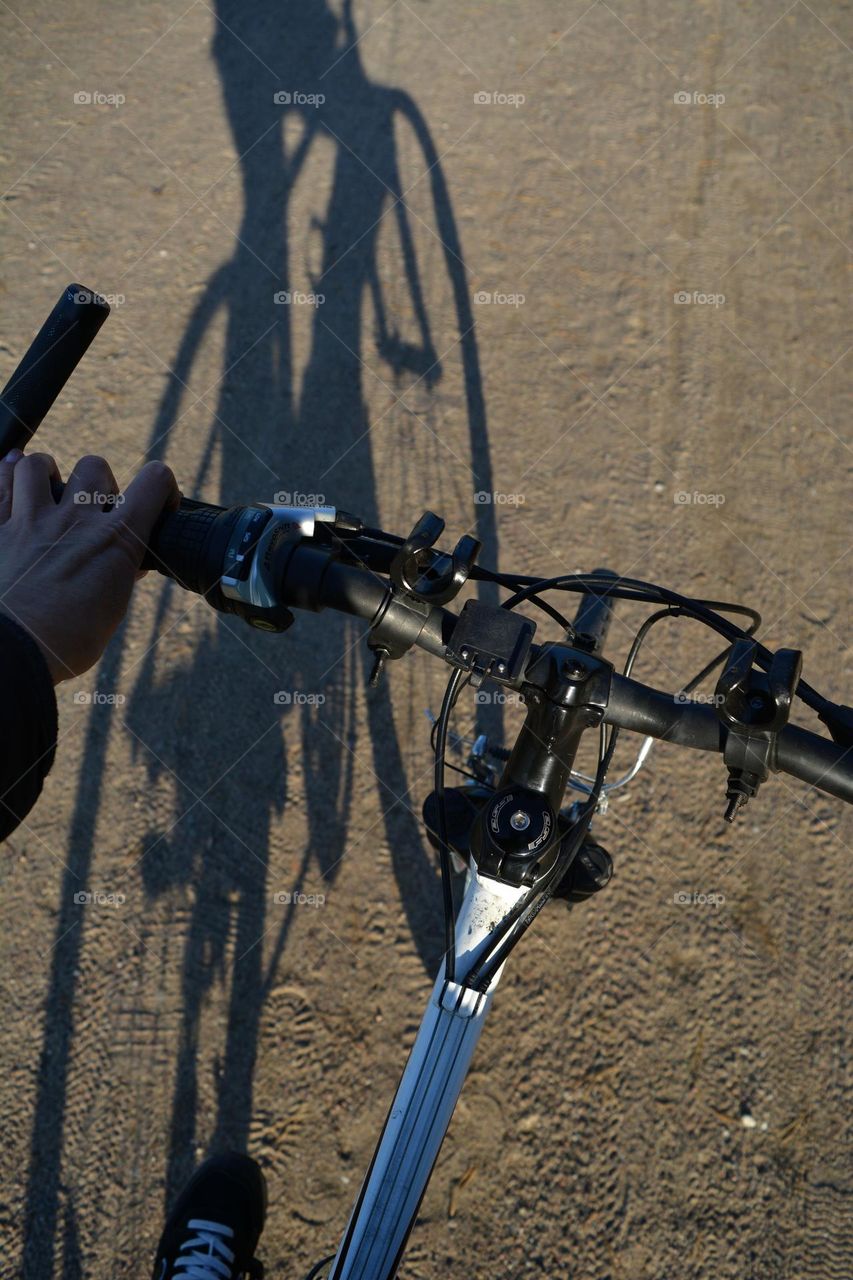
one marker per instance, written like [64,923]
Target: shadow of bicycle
[301,108]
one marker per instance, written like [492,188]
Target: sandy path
[602,1134]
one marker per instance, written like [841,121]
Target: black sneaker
[214,1228]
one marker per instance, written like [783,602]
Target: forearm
[28,723]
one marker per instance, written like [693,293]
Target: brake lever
[426,574]
[421,578]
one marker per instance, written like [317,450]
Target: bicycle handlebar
[199,548]
[804,755]
[191,544]
[633,706]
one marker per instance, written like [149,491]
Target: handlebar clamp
[754,706]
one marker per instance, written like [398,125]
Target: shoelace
[210,1258]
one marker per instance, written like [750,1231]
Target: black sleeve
[28,723]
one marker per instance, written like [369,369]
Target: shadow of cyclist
[264,435]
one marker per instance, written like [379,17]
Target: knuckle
[37,461]
[91,462]
[158,470]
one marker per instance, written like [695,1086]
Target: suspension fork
[414,1130]
[516,841]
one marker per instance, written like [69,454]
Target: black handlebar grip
[52,357]
[189,544]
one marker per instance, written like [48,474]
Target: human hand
[67,568]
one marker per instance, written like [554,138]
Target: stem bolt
[520,820]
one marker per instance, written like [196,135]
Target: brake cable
[454,686]
[671,611]
[520,917]
[634,589]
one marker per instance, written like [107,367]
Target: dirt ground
[655,200]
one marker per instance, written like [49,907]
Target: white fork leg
[425,1098]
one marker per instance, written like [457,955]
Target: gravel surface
[588,261]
